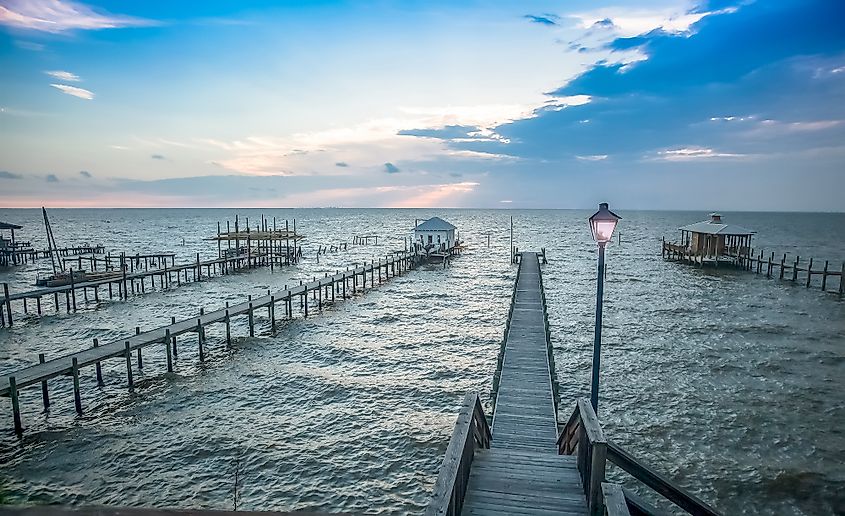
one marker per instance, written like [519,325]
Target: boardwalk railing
[583,435]
[471,432]
[497,376]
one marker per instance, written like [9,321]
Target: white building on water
[435,235]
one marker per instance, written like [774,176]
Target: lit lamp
[602,225]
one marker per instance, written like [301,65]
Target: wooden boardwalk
[521,472]
[322,290]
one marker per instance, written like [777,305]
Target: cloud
[390,168]
[74,91]
[61,15]
[157,156]
[51,178]
[593,157]
[8,175]
[85,174]
[506,201]
[545,19]
[341,164]
[693,153]
[29,45]
[63,76]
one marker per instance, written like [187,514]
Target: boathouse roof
[6,225]
[435,224]
[715,226]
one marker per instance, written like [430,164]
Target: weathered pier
[322,291]
[127,281]
[783,267]
[525,462]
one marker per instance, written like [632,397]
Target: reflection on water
[728,382]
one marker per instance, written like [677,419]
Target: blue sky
[661,104]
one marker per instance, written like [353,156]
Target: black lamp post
[602,225]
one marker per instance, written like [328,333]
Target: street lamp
[602,224]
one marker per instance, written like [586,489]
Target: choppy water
[727,381]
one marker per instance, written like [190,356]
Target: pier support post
[809,272]
[824,277]
[140,360]
[842,280]
[77,399]
[98,367]
[200,339]
[167,349]
[273,314]
[782,262]
[251,321]
[45,395]
[128,354]
[73,290]
[175,350]
[228,328]
[8,303]
[16,407]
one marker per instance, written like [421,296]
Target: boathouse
[710,241]
[435,234]
[9,247]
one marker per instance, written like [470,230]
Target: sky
[655,104]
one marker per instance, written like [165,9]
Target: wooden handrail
[471,432]
[658,482]
[614,500]
[583,435]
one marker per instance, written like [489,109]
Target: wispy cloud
[85,174]
[63,76]
[74,91]
[593,157]
[62,15]
[51,178]
[8,175]
[390,168]
[544,19]
[29,45]
[694,153]
[341,164]
[157,156]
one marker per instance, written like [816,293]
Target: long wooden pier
[128,280]
[528,463]
[322,290]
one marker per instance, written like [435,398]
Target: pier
[524,461]
[322,291]
[126,280]
[782,267]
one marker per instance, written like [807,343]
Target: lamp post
[602,224]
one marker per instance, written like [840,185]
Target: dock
[322,290]
[126,280]
[526,462]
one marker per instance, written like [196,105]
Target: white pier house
[711,241]
[437,239]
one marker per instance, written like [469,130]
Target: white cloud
[73,90]
[693,153]
[593,157]
[63,76]
[633,22]
[60,16]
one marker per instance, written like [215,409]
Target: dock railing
[583,435]
[471,432]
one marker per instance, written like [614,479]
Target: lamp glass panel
[603,230]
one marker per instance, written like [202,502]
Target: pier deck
[521,472]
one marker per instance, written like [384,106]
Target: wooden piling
[167,349]
[45,395]
[809,272]
[782,262]
[251,319]
[228,329]
[140,360]
[128,354]
[16,407]
[199,339]
[824,277]
[795,269]
[273,314]
[173,340]
[77,399]
[8,303]
[98,367]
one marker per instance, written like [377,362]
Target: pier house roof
[435,224]
[715,226]
[6,225]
